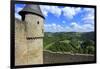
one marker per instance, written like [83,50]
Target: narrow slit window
[37,22]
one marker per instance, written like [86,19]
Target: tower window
[37,22]
[42,31]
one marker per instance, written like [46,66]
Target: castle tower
[33,22]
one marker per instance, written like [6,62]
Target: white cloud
[73,27]
[81,28]
[45,9]
[64,22]
[70,12]
[54,28]
[89,16]
[17,16]
[87,25]
[17,9]
[89,10]
[56,10]
[51,9]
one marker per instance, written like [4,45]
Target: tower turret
[34,20]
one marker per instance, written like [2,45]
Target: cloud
[63,21]
[89,16]
[89,9]
[86,25]
[75,27]
[70,12]
[17,16]
[56,10]
[89,27]
[53,27]
[51,9]
[45,9]
[17,9]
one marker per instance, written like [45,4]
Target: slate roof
[33,9]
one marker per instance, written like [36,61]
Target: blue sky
[64,18]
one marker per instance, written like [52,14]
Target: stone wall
[34,25]
[51,58]
[28,51]
[20,43]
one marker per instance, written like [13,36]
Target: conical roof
[33,9]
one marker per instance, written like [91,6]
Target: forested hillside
[72,42]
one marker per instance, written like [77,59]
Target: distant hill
[74,42]
[88,35]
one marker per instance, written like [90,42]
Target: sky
[64,18]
